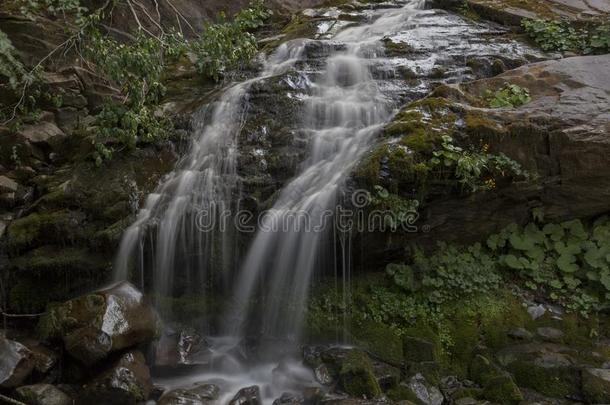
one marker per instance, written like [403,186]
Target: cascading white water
[345,103]
[345,110]
[201,189]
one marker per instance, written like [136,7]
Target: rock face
[512,12]
[16,363]
[127,381]
[43,394]
[98,324]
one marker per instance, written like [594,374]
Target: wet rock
[289,399]
[247,396]
[596,385]
[44,358]
[127,381]
[184,348]
[43,394]
[417,350]
[548,334]
[198,394]
[323,375]
[103,322]
[427,394]
[16,363]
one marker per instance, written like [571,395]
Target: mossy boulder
[596,385]
[502,390]
[357,376]
[547,368]
[95,325]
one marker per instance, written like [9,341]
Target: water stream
[348,87]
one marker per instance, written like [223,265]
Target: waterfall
[348,88]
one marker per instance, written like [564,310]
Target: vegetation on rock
[560,36]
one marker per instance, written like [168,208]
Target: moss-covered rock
[502,390]
[357,376]
[596,385]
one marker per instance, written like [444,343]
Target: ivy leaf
[512,262]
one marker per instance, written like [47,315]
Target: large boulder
[126,381]
[95,325]
[16,363]
[561,137]
[43,394]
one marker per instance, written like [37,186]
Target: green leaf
[567,263]
[512,262]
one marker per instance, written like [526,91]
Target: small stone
[520,334]
[323,375]
[536,311]
[247,396]
[550,334]
[596,385]
[196,394]
[427,394]
[43,394]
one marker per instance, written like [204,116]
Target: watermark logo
[302,213]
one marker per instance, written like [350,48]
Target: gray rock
[247,396]
[596,385]
[43,394]
[323,375]
[127,381]
[198,394]
[549,334]
[43,133]
[16,363]
[8,185]
[536,311]
[425,393]
[97,324]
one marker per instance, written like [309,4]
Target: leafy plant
[566,259]
[560,36]
[228,45]
[474,169]
[10,67]
[552,35]
[510,95]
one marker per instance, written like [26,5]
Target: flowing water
[348,87]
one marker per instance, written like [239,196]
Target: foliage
[474,169]
[568,261]
[228,45]
[401,212]
[10,67]
[74,8]
[560,36]
[510,95]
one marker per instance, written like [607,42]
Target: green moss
[476,124]
[356,376]
[402,393]
[53,258]
[378,339]
[58,226]
[556,382]
[502,390]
